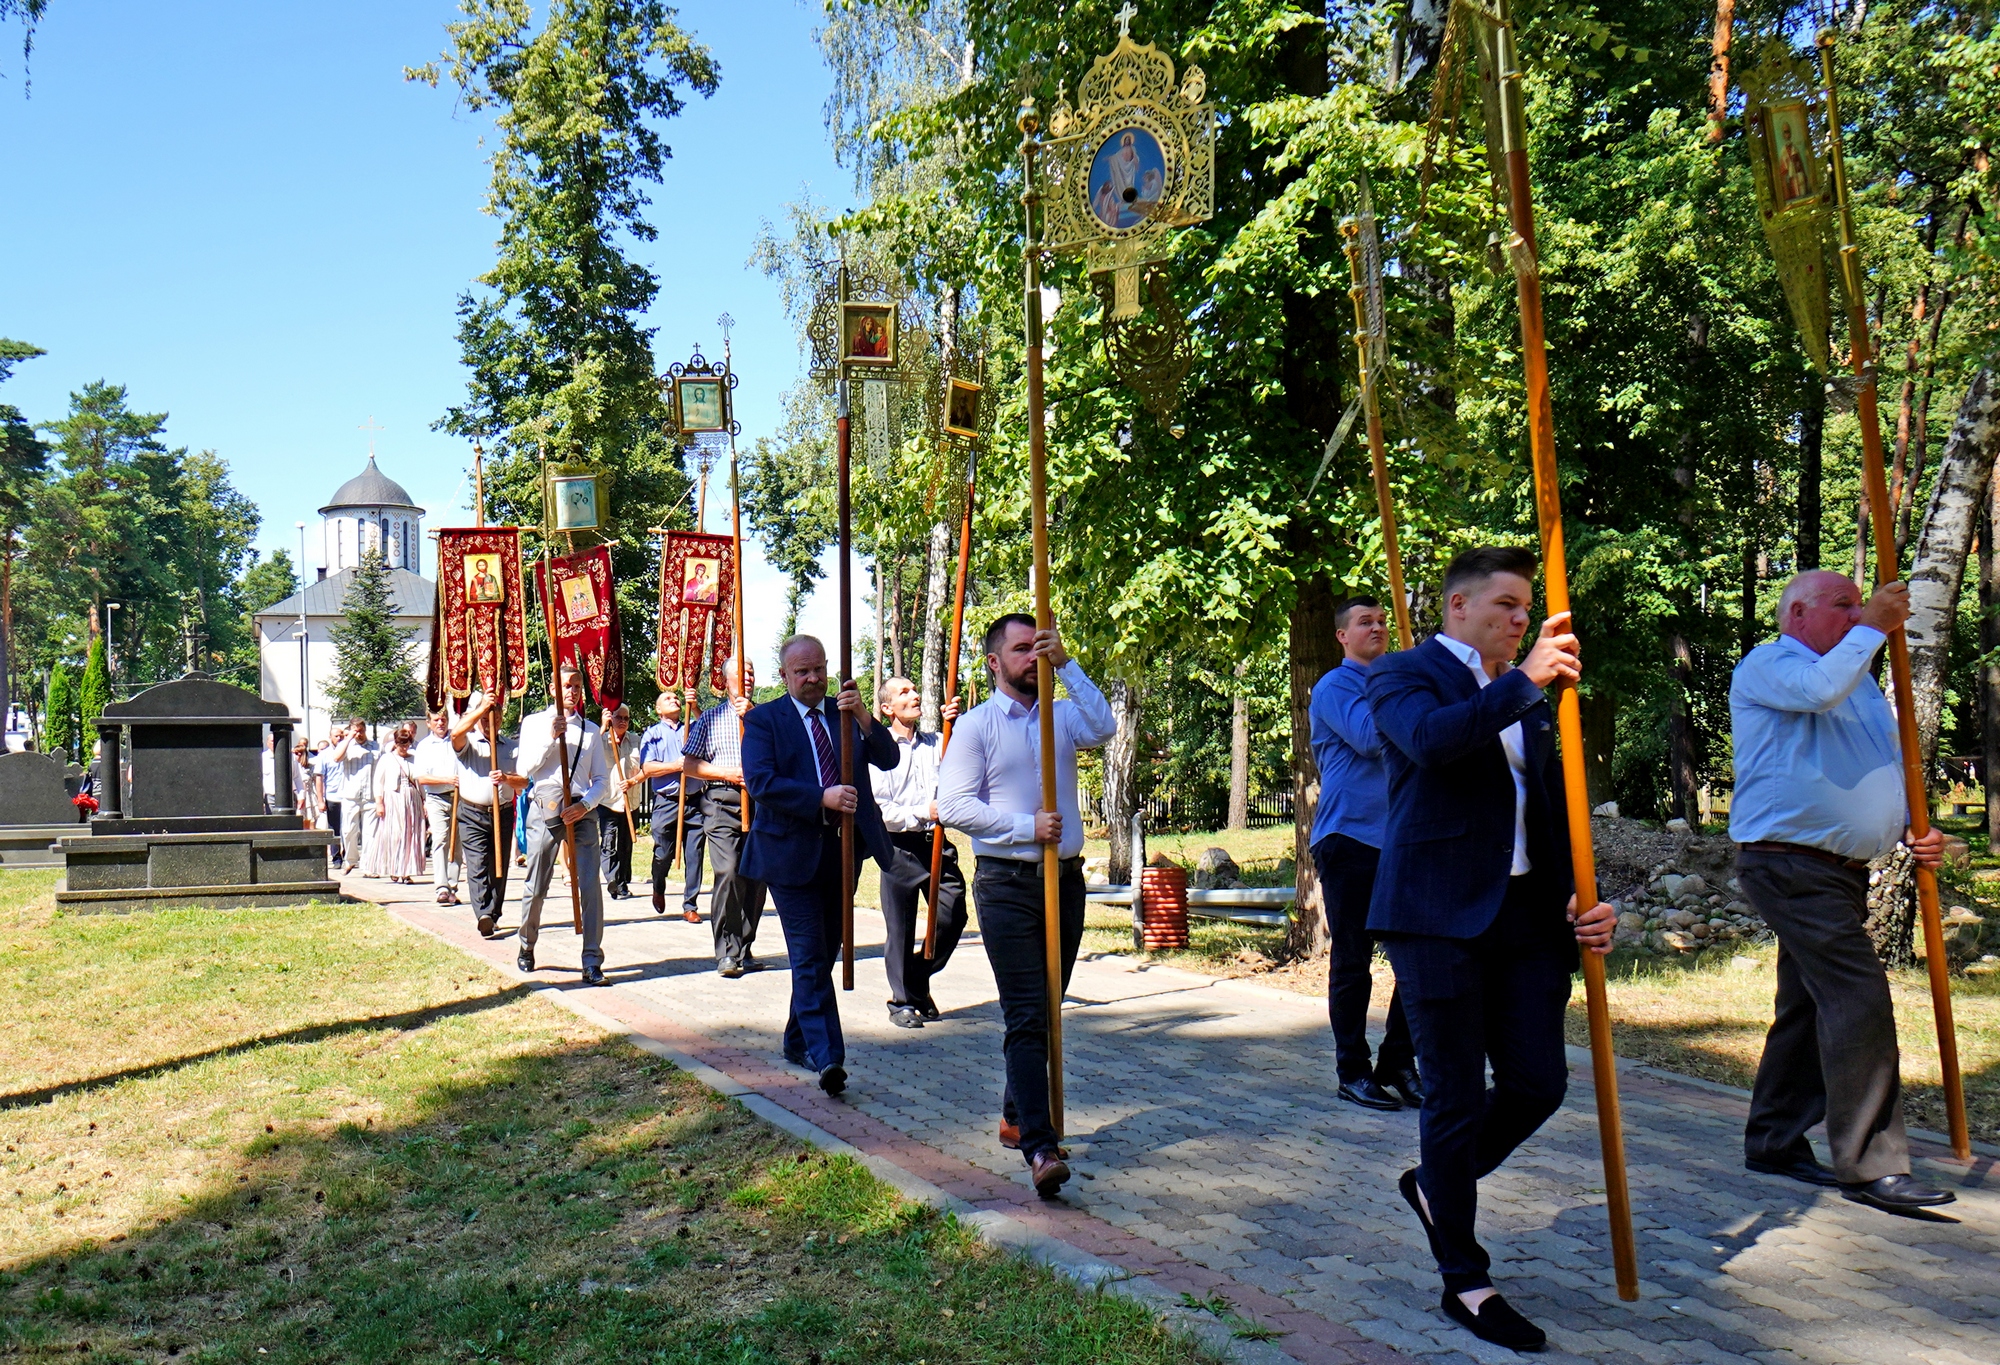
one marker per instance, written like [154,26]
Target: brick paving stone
[1220,1161]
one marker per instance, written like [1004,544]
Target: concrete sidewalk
[1213,1158]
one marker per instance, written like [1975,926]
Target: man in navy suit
[791,768]
[1474,901]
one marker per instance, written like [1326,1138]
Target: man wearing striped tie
[791,769]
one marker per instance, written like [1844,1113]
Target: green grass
[318,1135]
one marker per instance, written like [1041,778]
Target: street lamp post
[110,642]
[302,635]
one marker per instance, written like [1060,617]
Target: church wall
[279,669]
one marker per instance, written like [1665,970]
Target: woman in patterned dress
[397,850]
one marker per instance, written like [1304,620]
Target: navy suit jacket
[1448,849]
[781,773]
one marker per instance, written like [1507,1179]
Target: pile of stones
[1677,912]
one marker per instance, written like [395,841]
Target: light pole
[301,635]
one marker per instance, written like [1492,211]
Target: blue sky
[245,214]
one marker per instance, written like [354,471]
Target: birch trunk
[1239,753]
[1938,569]
[1989,673]
[1121,778]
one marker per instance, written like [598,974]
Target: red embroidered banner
[583,611]
[479,622]
[697,603]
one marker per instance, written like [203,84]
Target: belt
[1018,866]
[1808,851]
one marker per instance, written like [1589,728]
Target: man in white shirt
[349,766]
[990,786]
[483,844]
[908,801]
[552,811]
[616,833]
[436,762]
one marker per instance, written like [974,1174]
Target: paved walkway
[1213,1156]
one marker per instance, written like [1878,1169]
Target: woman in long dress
[397,850]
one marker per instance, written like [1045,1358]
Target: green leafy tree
[94,693]
[373,671]
[24,467]
[561,367]
[59,726]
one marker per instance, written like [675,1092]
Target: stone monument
[36,808]
[186,825]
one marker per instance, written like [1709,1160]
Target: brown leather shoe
[691,916]
[1049,1172]
[1010,1135]
[659,905]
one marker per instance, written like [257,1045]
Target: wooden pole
[843,430]
[499,692]
[1045,679]
[562,745]
[736,585]
[1916,793]
[951,690]
[1367,349]
[1512,135]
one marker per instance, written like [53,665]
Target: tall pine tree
[59,729]
[95,693]
[373,675]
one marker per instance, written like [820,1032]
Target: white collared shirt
[434,757]
[1516,745]
[829,716]
[990,784]
[541,759]
[905,795]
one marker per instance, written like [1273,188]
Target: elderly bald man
[1819,792]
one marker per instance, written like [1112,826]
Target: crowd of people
[1440,839]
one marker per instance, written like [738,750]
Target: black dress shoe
[525,959]
[833,1080]
[750,962]
[593,975]
[905,1016]
[1803,1168]
[928,1008]
[1408,1186]
[1405,1084]
[1367,1093]
[727,967]
[659,903]
[1497,1322]
[798,1059]
[1896,1194]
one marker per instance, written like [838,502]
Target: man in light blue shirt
[1346,847]
[1819,792]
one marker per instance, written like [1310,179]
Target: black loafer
[905,1016]
[727,967]
[1497,1322]
[593,975]
[1369,1095]
[1406,1084]
[751,964]
[525,959]
[1896,1194]
[928,1008]
[1408,1186]
[833,1080]
[798,1059]
[1803,1168]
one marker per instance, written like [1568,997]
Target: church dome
[370,488]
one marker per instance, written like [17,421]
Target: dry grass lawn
[318,1135]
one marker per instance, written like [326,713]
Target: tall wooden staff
[1045,678]
[1862,359]
[843,433]
[1512,134]
[736,585]
[951,689]
[493,712]
[1364,260]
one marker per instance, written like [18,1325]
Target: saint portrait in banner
[697,596]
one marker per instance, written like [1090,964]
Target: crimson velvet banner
[583,615]
[697,590]
[479,633]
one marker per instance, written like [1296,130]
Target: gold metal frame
[957,387]
[562,474]
[852,308]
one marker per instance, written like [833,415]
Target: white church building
[295,637]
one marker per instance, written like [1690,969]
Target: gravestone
[35,808]
[186,825]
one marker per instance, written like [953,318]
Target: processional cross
[371,428]
[1125,17]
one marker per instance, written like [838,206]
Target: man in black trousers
[908,800]
[791,768]
[485,873]
[1474,901]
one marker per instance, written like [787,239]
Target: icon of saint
[700,590]
[481,585]
[871,339]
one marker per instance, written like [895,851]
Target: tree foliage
[373,671]
[59,724]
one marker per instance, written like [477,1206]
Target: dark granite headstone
[35,789]
[196,748]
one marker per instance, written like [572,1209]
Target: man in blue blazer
[791,768]
[1474,901]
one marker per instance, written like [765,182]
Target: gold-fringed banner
[697,588]
[479,636]
[1780,109]
[584,610]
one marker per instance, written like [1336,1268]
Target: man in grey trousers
[550,809]
[1819,792]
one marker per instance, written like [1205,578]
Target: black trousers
[614,836]
[1831,1053]
[905,884]
[737,902]
[664,806]
[1009,896]
[809,912]
[1347,883]
[1497,998]
[475,848]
